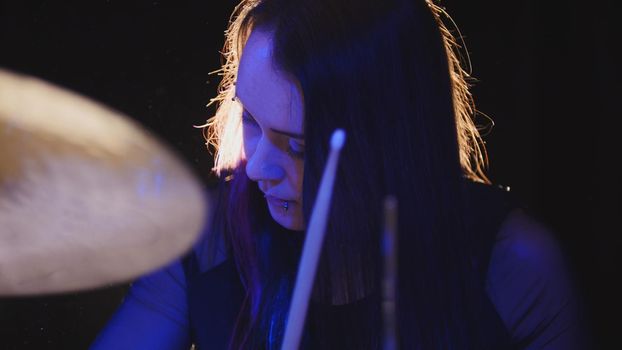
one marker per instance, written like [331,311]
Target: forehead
[266,91]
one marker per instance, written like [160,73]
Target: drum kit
[89,198]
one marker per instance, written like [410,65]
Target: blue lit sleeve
[153,315]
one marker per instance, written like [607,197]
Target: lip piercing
[285,205]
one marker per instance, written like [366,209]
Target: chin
[289,221]
[292,225]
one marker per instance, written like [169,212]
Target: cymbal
[87,196]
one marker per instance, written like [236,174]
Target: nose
[262,164]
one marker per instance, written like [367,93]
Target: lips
[276,200]
[269,195]
[273,198]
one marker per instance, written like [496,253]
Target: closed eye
[295,150]
[248,119]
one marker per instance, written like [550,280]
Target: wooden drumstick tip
[337,139]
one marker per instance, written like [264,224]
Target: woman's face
[273,130]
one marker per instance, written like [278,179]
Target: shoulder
[529,285]
[523,240]
[210,248]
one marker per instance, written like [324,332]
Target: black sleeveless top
[216,295]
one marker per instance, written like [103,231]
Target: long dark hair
[386,72]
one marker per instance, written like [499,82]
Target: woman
[474,271]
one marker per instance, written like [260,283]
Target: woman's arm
[529,285]
[153,315]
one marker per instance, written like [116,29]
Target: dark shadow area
[65,321]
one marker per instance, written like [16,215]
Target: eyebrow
[290,134]
[282,132]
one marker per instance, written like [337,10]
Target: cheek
[250,138]
[298,171]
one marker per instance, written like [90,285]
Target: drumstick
[390,273]
[312,247]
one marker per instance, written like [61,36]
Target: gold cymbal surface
[87,197]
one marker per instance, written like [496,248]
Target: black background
[548,74]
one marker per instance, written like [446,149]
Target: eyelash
[247,119]
[295,154]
